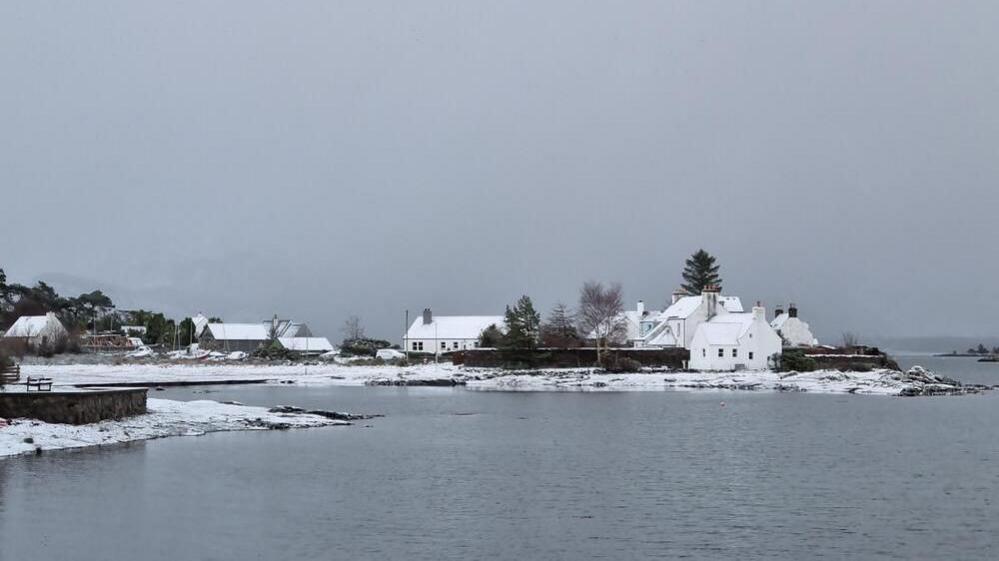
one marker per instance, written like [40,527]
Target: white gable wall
[712,350]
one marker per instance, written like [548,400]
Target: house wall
[760,340]
[434,345]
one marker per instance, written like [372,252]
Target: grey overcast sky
[319,159]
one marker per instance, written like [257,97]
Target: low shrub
[617,365]
[797,361]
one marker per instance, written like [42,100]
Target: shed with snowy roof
[37,331]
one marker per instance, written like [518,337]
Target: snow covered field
[165,418]
[878,382]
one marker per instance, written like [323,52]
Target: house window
[750,355]
[721,353]
[417,345]
[443,345]
[735,353]
[704,353]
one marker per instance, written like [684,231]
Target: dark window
[750,355]
[721,353]
[735,353]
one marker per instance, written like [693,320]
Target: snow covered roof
[200,322]
[779,321]
[310,344]
[726,329]
[688,304]
[452,327]
[238,331]
[33,326]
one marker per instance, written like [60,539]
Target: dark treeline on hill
[89,312]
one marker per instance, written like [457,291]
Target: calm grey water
[456,474]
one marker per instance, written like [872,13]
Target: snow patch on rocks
[165,418]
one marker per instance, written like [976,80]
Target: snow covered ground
[878,382]
[165,418]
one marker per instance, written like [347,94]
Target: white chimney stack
[710,295]
[759,312]
[641,308]
[677,294]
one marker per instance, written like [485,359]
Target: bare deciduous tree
[600,314]
[352,329]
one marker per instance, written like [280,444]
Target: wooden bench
[39,384]
[10,374]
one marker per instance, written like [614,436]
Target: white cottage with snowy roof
[675,326]
[794,331]
[37,331]
[735,341]
[441,334]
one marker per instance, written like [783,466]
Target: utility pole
[405,336]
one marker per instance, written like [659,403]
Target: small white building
[306,346]
[794,331]
[675,326]
[442,334]
[739,341]
[37,331]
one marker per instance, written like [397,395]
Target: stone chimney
[792,310]
[759,312]
[641,308]
[677,294]
[710,296]
[428,316]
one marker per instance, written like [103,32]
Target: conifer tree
[559,329]
[522,325]
[700,272]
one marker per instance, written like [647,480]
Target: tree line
[598,317]
[90,311]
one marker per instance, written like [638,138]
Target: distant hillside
[932,344]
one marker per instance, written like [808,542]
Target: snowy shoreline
[877,382]
[192,418]
[165,418]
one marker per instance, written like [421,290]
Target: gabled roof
[238,331]
[689,304]
[779,321]
[310,344]
[452,327]
[32,326]
[726,329]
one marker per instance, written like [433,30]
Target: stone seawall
[569,358]
[77,407]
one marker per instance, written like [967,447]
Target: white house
[429,334]
[37,331]
[794,331]
[735,341]
[675,326]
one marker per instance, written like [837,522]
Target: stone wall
[74,408]
[568,358]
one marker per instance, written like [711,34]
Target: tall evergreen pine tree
[700,271]
[522,325]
